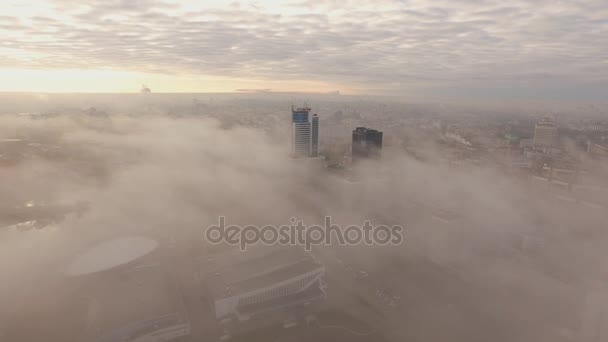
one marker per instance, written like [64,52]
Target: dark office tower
[314,140]
[367,143]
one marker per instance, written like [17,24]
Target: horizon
[564,105]
[521,51]
[303,170]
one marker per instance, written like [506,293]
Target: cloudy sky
[492,48]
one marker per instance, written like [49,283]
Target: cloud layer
[166,166]
[388,45]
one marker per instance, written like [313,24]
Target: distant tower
[366,143]
[545,134]
[314,144]
[300,132]
[304,133]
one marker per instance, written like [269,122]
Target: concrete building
[545,134]
[366,143]
[262,285]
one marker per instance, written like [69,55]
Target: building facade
[545,134]
[304,133]
[367,143]
[263,285]
[314,143]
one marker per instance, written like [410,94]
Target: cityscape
[494,210]
[303,170]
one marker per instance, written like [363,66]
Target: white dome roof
[110,254]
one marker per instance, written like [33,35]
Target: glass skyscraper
[367,143]
[314,143]
[304,133]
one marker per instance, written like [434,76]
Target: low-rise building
[262,285]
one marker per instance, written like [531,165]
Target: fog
[487,255]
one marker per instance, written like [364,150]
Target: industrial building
[263,285]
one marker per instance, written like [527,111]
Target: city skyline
[119,197]
[303,170]
[422,49]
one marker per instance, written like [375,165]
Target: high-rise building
[314,143]
[545,134]
[304,133]
[366,143]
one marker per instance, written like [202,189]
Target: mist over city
[303,171]
[492,241]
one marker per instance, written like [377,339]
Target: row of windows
[284,290]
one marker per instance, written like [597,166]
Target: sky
[540,49]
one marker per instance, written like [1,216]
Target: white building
[264,281]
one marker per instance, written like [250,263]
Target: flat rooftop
[236,271]
[296,298]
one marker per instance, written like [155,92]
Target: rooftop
[235,271]
[300,109]
[307,295]
[546,122]
[366,130]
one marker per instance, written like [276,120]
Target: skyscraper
[366,143]
[545,134]
[305,135]
[314,143]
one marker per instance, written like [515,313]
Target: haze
[488,253]
[130,130]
